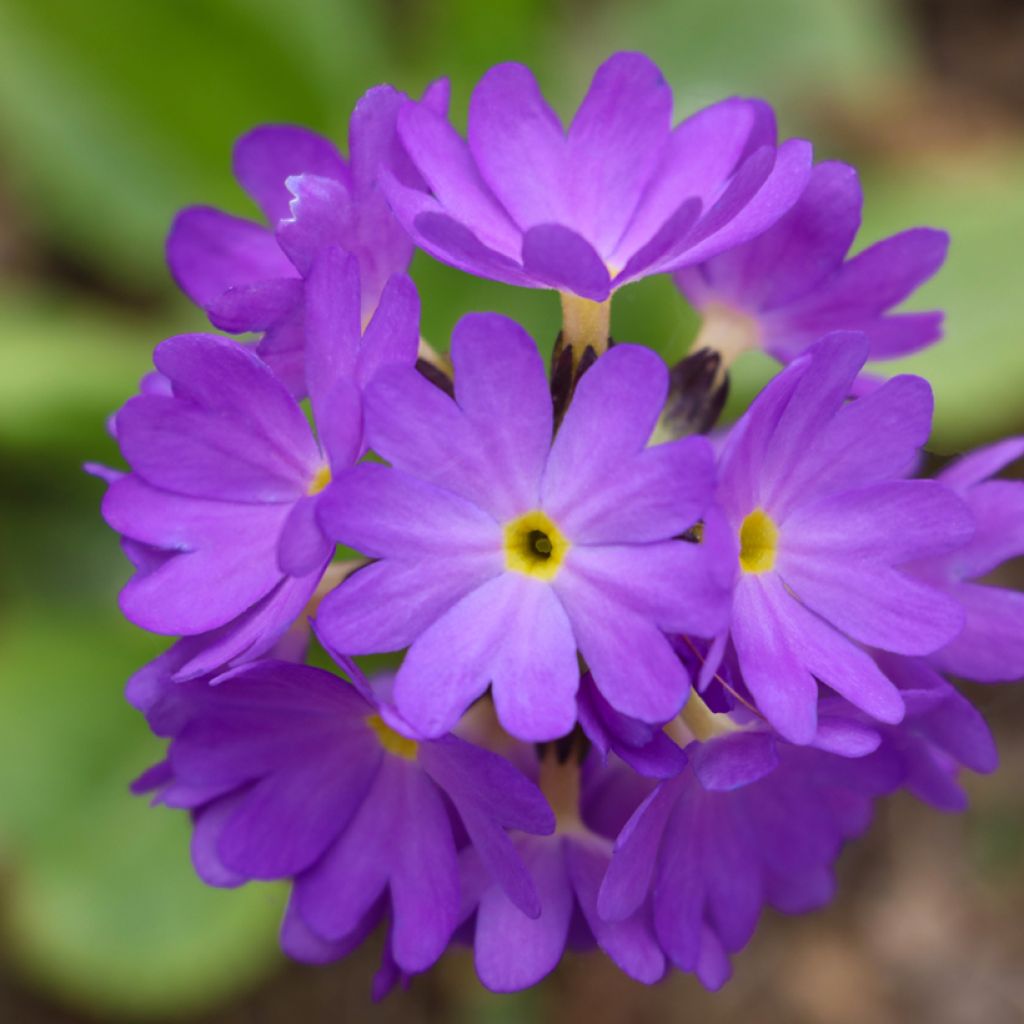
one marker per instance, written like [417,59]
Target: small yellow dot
[393,742]
[321,478]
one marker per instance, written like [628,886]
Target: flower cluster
[643,678]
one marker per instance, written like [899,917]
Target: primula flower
[227,473]
[732,833]
[249,278]
[499,553]
[292,772]
[990,648]
[513,950]
[786,288]
[823,520]
[619,196]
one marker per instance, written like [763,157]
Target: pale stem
[560,784]
[430,355]
[701,721]
[728,332]
[585,323]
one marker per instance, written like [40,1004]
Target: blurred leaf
[115,114]
[104,905]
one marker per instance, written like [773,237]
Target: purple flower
[788,287]
[249,278]
[293,773]
[991,646]
[813,491]
[513,950]
[227,474]
[619,196]
[749,822]
[502,553]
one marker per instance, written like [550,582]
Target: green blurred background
[115,113]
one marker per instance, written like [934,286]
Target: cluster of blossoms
[646,676]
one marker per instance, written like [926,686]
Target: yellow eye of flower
[393,742]
[759,541]
[535,546]
[321,478]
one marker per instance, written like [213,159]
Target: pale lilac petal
[824,384]
[431,439]
[333,896]
[490,796]
[513,951]
[997,507]
[535,672]
[629,875]
[658,494]
[267,156]
[978,465]
[387,605]
[501,386]
[888,523]
[255,307]
[629,379]
[445,162]
[832,658]
[875,604]
[518,144]
[734,760]
[451,663]
[701,153]
[393,334]
[672,583]
[630,943]
[420,519]
[321,214]
[875,438]
[615,141]
[632,662]
[785,691]
[302,546]
[424,878]
[332,323]
[209,252]
[990,648]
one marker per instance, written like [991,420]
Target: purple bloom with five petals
[219,512]
[293,773]
[814,492]
[788,287]
[249,278]
[619,196]
[503,552]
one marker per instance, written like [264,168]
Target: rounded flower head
[249,278]
[294,773]
[823,521]
[619,196]
[786,288]
[500,554]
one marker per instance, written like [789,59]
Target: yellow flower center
[535,546]
[393,742]
[321,478]
[759,541]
